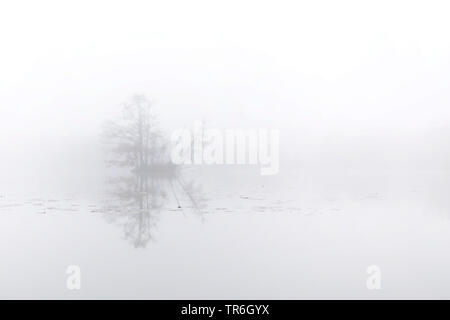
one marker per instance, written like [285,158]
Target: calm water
[231,234]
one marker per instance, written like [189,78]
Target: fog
[358,92]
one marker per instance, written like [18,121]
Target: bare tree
[135,143]
[135,140]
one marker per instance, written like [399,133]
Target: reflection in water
[139,199]
[147,180]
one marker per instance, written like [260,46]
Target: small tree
[135,140]
[135,143]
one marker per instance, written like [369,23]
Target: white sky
[324,71]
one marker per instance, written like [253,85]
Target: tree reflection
[144,182]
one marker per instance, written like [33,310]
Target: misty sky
[352,80]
